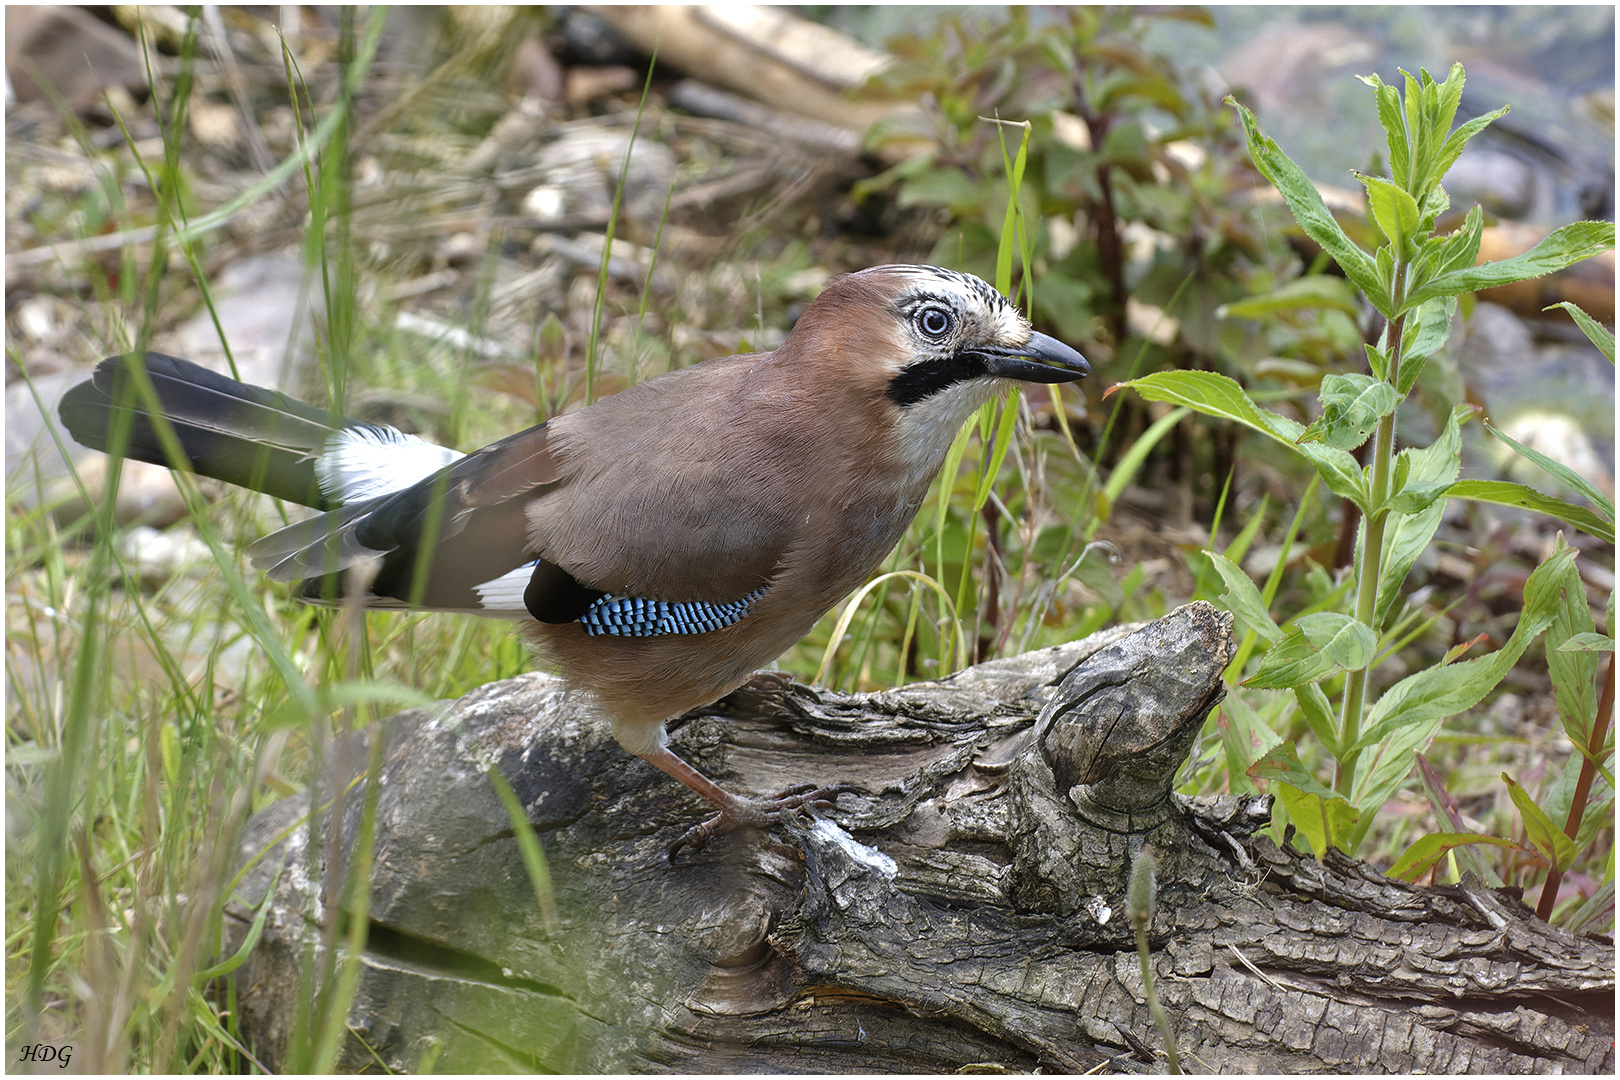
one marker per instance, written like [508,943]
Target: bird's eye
[934,323]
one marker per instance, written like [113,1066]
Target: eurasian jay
[658,546]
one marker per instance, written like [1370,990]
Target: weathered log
[964,906]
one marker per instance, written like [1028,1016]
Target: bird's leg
[736,810]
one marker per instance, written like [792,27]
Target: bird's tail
[245,435]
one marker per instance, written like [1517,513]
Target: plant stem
[1583,789]
[1372,550]
[1155,1009]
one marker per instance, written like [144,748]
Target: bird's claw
[740,811]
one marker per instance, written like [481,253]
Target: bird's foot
[769,681]
[739,811]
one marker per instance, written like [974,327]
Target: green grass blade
[534,859]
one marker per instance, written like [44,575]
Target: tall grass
[147,724]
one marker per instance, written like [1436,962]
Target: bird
[659,545]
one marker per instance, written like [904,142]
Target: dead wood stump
[965,906]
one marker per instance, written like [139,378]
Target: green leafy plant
[1412,278]
[1585,703]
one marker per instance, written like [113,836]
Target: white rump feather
[364,462]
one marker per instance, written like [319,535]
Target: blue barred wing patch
[634,616]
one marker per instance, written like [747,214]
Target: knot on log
[1120,725]
[1095,779]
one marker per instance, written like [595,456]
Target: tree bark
[963,907]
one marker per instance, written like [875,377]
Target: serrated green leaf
[1409,714]
[1217,395]
[1340,638]
[1505,493]
[1214,394]
[1438,107]
[1560,471]
[1394,124]
[1458,139]
[1291,662]
[1416,498]
[1443,254]
[1548,838]
[1416,130]
[1310,291]
[1595,331]
[1377,361]
[1587,642]
[1574,674]
[1427,329]
[1318,812]
[1242,598]
[1352,405]
[1437,692]
[1308,209]
[1426,852]
[1448,97]
[1407,536]
[1436,203]
[1563,247]
[1395,211]
[1318,713]
[1338,470]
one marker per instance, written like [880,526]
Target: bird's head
[931,344]
[927,331]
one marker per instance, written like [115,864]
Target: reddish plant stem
[1583,789]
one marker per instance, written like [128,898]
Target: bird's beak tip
[1042,359]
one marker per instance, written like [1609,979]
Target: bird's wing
[643,496]
[688,488]
[433,542]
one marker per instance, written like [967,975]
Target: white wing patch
[505,593]
[364,462]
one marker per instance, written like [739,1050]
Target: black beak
[1032,362]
